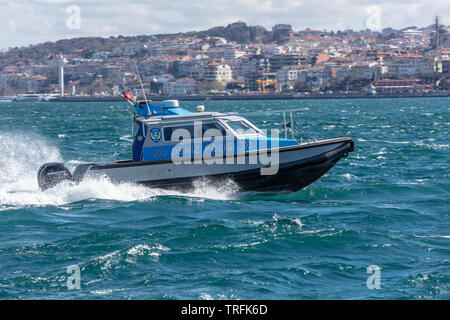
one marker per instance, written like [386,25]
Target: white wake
[22,155]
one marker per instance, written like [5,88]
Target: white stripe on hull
[156,172]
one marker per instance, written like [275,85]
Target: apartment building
[217,71]
[408,66]
[180,87]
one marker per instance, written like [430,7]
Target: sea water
[385,206]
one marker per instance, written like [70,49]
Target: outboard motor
[50,174]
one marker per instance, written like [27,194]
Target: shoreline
[243,97]
[252,97]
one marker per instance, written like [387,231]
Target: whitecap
[145,249]
[348,176]
[205,296]
[105,291]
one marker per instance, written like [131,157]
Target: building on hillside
[31,83]
[408,66]
[343,73]
[446,68]
[217,71]
[197,73]
[286,77]
[255,64]
[398,86]
[363,71]
[280,60]
[282,32]
[180,87]
[314,77]
[236,67]
[309,32]
[232,54]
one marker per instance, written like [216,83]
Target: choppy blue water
[387,204]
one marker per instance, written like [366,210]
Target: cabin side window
[169,130]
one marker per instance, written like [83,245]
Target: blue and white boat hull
[298,167]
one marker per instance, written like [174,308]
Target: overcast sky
[24,22]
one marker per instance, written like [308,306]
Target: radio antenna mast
[143,90]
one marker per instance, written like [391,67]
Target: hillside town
[236,60]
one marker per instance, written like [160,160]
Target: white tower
[61,61]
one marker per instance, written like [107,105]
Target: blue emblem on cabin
[155,134]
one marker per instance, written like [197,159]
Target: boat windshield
[240,127]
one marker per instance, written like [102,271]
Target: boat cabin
[168,131]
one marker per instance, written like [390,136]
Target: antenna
[142,86]
[438,42]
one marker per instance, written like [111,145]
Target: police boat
[173,147]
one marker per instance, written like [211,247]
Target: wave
[431,145]
[108,261]
[23,154]
[278,222]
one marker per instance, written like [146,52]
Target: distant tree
[302,87]
[326,85]
[235,86]
[444,84]
[211,85]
